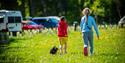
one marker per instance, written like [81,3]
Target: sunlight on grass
[35,49]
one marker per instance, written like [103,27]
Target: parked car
[29,25]
[47,22]
[121,23]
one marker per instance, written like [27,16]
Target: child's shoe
[85,51]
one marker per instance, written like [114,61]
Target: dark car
[48,22]
[29,25]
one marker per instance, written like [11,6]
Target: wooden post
[4,38]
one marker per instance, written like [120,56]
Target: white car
[121,22]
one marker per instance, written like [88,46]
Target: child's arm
[81,24]
[66,29]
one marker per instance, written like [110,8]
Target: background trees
[103,10]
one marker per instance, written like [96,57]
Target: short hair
[83,12]
[62,17]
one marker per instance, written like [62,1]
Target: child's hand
[98,37]
[66,35]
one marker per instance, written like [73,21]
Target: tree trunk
[31,7]
[23,8]
[118,4]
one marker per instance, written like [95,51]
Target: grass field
[35,48]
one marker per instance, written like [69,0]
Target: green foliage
[19,2]
[102,9]
[97,9]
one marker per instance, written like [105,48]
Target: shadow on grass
[5,46]
[112,54]
[5,51]
[12,59]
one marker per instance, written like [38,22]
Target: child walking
[63,34]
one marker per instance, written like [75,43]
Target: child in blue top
[86,27]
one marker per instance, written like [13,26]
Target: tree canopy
[109,11]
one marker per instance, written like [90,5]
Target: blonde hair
[83,12]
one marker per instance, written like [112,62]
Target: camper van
[10,21]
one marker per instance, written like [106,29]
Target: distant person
[86,24]
[111,25]
[63,34]
[104,25]
[75,24]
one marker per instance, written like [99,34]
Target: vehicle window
[31,23]
[14,19]
[1,20]
[39,21]
[42,20]
[54,20]
[10,19]
[17,19]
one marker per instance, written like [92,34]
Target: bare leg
[61,46]
[65,48]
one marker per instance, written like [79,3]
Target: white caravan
[10,21]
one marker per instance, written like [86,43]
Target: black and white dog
[53,50]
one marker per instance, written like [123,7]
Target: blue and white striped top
[87,27]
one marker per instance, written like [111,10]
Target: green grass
[35,48]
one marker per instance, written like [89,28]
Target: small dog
[53,50]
